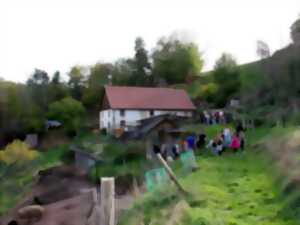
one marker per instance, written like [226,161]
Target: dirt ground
[62,191]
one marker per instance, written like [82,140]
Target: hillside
[235,189]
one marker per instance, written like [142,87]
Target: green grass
[234,189]
[210,131]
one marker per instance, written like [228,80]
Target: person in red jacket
[235,143]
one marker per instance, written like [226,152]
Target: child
[227,137]
[235,143]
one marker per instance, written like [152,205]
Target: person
[235,143]
[217,117]
[212,145]
[190,142]
[170,156]
[239,127]
[219,140]
[156,149]
[207,118]
[242,140]
[175,150]
[227,137]
[201,139]
[163,151]
[222,117]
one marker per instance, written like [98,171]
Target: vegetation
[16,179]
[176,61]
[68,111]
[17,152]
[24,108]
[231,189]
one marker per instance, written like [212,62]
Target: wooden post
[171,174]
[107,201]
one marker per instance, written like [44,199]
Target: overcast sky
[56,34]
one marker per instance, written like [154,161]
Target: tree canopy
[174,60]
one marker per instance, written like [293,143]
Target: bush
[17,151]
[68,111]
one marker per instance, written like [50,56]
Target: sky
[57,34]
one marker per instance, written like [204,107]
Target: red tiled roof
[147,98]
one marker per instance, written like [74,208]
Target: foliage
[122,71]
[227,78]
[57,89]
[16,179]
[17,152]
[76,81]
[38,88]
[142,75]
[97,78]
[120,159]
[68,111]
[174,60]
[208,92]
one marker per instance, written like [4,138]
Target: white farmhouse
[123,107]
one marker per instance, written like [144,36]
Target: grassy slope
[235,189]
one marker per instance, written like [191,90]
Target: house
[124,107]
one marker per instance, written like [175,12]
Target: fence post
[171,174]
[107,201]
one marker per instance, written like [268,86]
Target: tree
[142,68]
[57,89]
[122,71]
[262,49]
[174,60]
[38,85]
[227,77]
[76,81]
[68,111]
[95,84]
[208,92]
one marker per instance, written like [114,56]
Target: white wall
[111,119]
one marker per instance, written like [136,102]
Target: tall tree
[141,74]
[38,85]
[175,60]
[57,89]
[76,81]
[97,78]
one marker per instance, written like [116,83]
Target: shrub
[68,111]
[17,151]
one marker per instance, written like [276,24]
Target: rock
[32,212]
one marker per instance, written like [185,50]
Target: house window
[122,112]
[122,123]
[151,112]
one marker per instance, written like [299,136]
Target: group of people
[225,140]
[171,151]
[228,140]
[216,117]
